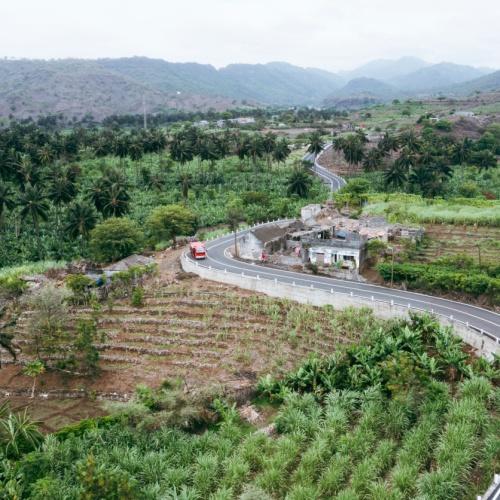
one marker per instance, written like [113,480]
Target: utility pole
[144,112]
[392,265]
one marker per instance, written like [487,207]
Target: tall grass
[415,209]
[458,446]
[31,268]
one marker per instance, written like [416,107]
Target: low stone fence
[484,345]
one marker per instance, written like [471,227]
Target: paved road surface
[477,318]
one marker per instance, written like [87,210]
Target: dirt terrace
[212,336]
[448,239]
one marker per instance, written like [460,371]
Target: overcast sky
[329,34]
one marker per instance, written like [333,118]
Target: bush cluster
[437,277]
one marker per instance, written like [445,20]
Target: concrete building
[127,263]
[344,249]
[309,213]
[268,239]
[243,120]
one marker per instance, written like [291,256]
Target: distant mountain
[280,83]
[272,83]
[386,69]
[76,87]
[166,76]
[485,83]
[364,90]
[107,86]
[436,76]
[102,87]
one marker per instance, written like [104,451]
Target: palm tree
[396,175]
[62,187]
[34,205]
[423,179]
[26,172]
[136,150]
[361,135]
[110,193]
[242,147]
[81,219]
[388,143]
[353,149]
[6,198]
[115,201]
[121,146]
[268,146]
[316,144]
[34,369]
[407,159]
[462,151]
[338,144]
[181,150]
[281,150]
[299,182]
[372,160]
[484,159]
[410,140]
[185,181]
[234,216]
[255,148]
[46,154]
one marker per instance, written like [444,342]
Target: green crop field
[414,208]
[404,414]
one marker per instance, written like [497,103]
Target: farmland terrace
[214,337]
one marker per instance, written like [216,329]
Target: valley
[250,281]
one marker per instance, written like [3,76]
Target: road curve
[481,320]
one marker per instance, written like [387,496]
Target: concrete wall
[483,344]
[249,247]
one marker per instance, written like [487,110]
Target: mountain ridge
[105,86]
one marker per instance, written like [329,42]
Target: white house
[345,249]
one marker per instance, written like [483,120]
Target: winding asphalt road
[482,320]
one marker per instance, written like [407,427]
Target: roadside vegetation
[458,274]
[406,413]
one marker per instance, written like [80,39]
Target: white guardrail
[493,492]
[483,340]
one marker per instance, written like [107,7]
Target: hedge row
[432,277]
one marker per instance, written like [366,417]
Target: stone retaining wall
[484,345]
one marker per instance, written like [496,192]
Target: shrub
[123,281]
[11,286]
[115,238]
[48,322]
[137,296]
[169,221]
[443,125]
[436,277]
[255,198]
[80,285]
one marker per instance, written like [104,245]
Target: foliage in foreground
[385,419]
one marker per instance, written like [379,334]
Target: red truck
[198,250]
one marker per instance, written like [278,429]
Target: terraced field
[447,239]
[207,334]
